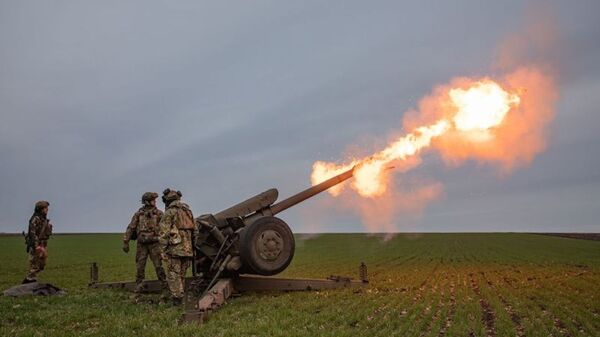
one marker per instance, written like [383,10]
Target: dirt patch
[434,319]
[451,311]
[509,281]
[435,316]
[561,327]
[488,317]
[377,312]
[419,291]
[514,317]
[558,323]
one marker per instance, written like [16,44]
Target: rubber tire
[251,259]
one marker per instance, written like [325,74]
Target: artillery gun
[248,238]
[235,245]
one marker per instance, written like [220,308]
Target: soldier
[37,237]
[177,229]
[144,228]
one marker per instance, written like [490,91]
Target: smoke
[529,61]
[537,43]
[521,136]
[378,214]
[525,63]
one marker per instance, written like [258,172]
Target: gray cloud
[101,101]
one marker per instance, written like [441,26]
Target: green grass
[421,285]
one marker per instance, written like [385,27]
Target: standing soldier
[144,228]
[176,232]
[36,239]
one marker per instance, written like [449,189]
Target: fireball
[476,109]
[481,106]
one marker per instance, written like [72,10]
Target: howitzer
[248,238]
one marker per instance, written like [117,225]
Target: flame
[482,106]
[474,110]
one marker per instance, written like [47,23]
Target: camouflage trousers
[176,269]
[143,252]
[37,263]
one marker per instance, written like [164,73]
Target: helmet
[170,195]
[149,196]
[40,205]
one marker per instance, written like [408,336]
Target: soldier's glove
[126,247]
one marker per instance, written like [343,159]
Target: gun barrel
[310,192]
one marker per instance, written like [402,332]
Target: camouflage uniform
[144,228]
[177,229]
[39,232]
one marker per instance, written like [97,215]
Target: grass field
[421,285]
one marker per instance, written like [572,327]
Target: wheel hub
[270,244]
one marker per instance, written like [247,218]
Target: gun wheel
[267,246]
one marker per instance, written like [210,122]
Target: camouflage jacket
[40,229]
[144,225]
[177,229]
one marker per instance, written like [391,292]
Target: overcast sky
[103,100]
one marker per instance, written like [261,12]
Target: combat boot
[137,292]
[164,298]
[139,287]
[176,301]
[28,280]
[136,298]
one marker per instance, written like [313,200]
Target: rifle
[29,244]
